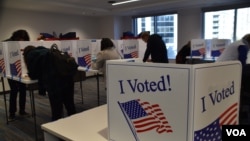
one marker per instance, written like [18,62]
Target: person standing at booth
[60,89]
[16,86]
[155,47]
[183,53]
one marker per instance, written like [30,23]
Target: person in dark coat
[60,89]
[156,48]
[183,53]
[16,86]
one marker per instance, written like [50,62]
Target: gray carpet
[22,129]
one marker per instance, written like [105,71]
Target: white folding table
[90,125]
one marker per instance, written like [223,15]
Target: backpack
[65,65]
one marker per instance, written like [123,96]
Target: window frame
[155,16]
[221,8]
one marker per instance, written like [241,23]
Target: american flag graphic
[131,55]
[85,61]
[16,68]
[144,117]
[216,53]
[213,131]
[2,66]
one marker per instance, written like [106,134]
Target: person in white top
[108,52]
[236,51]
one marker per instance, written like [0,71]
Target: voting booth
[218,46]
[156,101]
[208,48]
[130,48]
[119,47]
[83,53]
[2,62]
[13,58]
[198,47]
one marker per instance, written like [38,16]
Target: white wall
[189,25]
[122,24]
[36,22]
[106,25]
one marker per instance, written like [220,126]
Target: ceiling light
[123,2]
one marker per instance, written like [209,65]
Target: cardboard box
[175,102]
[130,48]
[83,53]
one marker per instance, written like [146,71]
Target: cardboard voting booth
[208,48]
[70,46]
[142,48]
[83,53]
[218,46]
[130,48]
[198,47]
[15,66]
[95,47]
[119,47]
[153,101]
[2,61]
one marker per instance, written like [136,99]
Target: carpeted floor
[22,129]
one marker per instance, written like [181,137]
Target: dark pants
[16,87]
[61,93]
[41,88]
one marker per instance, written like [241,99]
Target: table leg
[98,91]
[33,110]
[81,75]
[5,104]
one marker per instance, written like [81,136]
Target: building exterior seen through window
[227,24]
[164,25]
[223,24]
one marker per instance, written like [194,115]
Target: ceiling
[102,7]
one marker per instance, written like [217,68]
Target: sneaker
[12,117]
[24,114]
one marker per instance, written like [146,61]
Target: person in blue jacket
[156,48]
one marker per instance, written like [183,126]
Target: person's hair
[19,35]
[106,43]
[246,38]
[26,50]
[144,34]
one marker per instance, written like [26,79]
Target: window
[164,25]
[227,24]
[243,22]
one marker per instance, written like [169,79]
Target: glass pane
[167,28]
[243,22]
[164,25]
[219,24]
[145,24]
